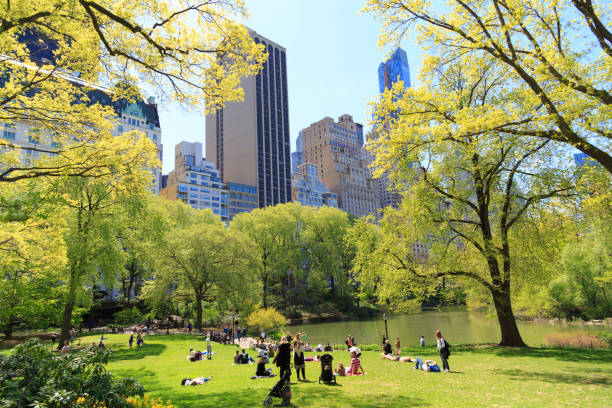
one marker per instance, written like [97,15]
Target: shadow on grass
[567,378]
[559,353]
[322,397]
[147,350]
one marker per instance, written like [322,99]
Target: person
[443,349]
[102,338]
[53,337]
[237,357]
[304,338]
[238,334]
[244,358]
[72,333]
[283,358]
[348,342]
[398,358]
[288,337]
[263,336]
[131,340]
[90,326]
[101,345]
[208,348]
[298,360]
[355,365]
[139,341]
[340,370]
[261,368]
[270,352]
[196,381]
[66,348]
[356,350]
[328,347]
[384,339]
[397,346]
[319,348]
[422,342]
[353,340]
[387,348]
[428,365]
[189,327]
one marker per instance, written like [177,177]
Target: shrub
[576,340]
[607,337]
[31,375]
[266,319]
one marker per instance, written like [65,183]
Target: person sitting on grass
[244,358]
[387,348]
[398,358]
[261,368]
[355,365]
[340,371]
[237,357]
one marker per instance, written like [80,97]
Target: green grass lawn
[480,377]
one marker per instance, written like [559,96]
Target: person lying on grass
[196,381]
[428,365]
[398,358]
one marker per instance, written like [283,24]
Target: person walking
[72,333]
[131,340]
[443,349]
[283,358]
[208,348]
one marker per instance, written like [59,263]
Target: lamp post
[386,331]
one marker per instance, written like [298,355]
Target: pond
[459,327]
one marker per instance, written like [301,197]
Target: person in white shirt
[208,348]
[443,349]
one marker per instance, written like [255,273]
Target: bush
[32,376]
[128,316]
[607,337]
[266,319]
[576,340]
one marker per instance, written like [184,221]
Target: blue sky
[332,63]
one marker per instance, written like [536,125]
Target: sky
[332,65]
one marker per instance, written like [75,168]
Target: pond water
[459,327]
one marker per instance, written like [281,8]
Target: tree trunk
[198,323]
[265,292]
[510,335]
[67,317]
[8,329]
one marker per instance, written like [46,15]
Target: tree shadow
[567,378]
[559,353]
[152,349]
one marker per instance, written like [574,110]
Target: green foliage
[128,316]
[32,376]
[266,319]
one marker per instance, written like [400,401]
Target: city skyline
[344,83]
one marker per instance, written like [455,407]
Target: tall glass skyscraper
[249,140]
[393,70]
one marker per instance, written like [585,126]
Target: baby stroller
[280,390]
[327,376]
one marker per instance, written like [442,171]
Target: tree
[55,53]
[94,205]
[465,191]
[557,55]
[203,261]
[274,232]
[328,257]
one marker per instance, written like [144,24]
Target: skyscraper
[249,140]
[393,70]
[336,148]
[297,157]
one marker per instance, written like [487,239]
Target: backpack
[447,349]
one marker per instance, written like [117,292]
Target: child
[397,346]
[131,340]
[340,370]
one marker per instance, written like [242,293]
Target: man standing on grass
[208,348]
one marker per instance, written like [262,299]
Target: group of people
[139,340]
[443,349]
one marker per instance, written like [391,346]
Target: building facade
[131,115]
[336,148]
[242,198]
[297,157]
[393,70]
[196,181]
[249,140]
[307,189]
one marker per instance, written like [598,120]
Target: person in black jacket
[387,348]
[298,360]
[283,358]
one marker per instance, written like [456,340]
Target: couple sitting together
[242,358]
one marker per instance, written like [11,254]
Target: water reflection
[459,327]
